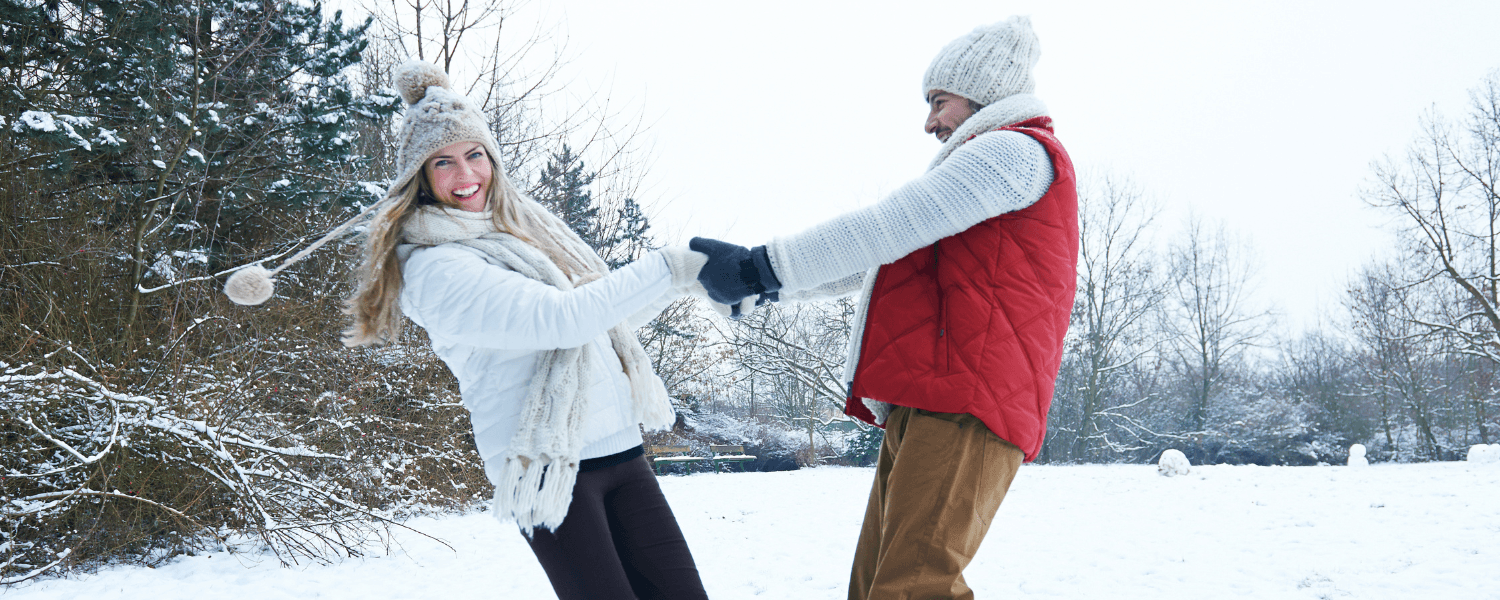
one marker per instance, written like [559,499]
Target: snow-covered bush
[1484,453]
[239,446]
[1173,463]
[79,451]
[774,448]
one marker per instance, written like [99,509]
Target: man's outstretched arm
[993,174]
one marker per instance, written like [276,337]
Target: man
[967,277]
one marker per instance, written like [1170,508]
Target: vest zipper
[941,360]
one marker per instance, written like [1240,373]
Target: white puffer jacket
[489,324]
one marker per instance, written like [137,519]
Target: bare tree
[1400,358]
[677,342]
[1209,320]
[514,70]
[798,350]
[1446,191]
[1119,288]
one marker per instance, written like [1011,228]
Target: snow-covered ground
[1386,531]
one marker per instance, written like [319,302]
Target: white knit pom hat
[436,117]
[989,64]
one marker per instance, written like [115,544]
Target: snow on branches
[75,443]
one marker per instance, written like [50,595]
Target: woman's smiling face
[460,175]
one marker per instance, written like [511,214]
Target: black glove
[735,272]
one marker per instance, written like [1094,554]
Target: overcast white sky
[767,117]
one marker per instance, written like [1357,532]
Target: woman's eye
[440,163]
[476,155]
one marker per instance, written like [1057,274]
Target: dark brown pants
[619,541]
[938,483]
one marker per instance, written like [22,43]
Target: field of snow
[1118,532]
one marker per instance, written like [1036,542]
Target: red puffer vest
[975,323]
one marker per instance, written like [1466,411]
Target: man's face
[947,113]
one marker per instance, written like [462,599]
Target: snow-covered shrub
[1357,456]
[863,448]
[1173,463]
[1484,453]
[309,463]
[174,470]
[774,448]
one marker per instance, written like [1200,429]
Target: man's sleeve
[828,290]
[992,174]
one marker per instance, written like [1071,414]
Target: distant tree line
[1167,349]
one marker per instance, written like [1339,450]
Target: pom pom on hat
[988,64]
[250,286]
[414,77]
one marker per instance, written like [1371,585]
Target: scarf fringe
[538,493]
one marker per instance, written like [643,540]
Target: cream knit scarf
[535,483]
[1009,111]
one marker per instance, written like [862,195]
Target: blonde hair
[374,306]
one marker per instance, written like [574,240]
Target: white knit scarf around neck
[1008,111]
[535,483]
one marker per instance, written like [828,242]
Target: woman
[540,335]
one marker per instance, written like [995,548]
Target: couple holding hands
[966,278]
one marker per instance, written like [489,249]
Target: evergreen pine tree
[564,190]
[196,131]
[619,236]
[632,236]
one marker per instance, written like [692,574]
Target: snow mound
[1173,462]
[1357,456]
[1484,453]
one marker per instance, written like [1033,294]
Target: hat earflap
[253,284]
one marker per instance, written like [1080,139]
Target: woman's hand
[685,265]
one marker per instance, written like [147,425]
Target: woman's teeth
[466,192]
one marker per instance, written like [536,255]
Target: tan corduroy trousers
[938,483]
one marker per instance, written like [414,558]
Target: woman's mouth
[465,192]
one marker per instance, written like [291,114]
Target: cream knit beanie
[987,65]
[436,116]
